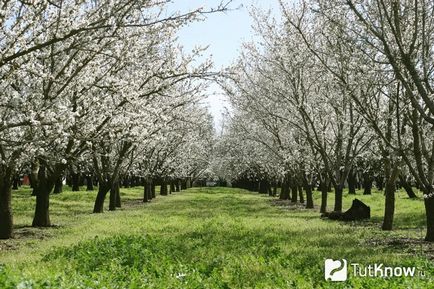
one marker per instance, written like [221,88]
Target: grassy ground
[207,238]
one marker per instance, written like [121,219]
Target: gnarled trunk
[45,186]
[103,189]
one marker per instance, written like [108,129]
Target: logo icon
[335,270]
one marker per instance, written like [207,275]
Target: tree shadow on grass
[25,233]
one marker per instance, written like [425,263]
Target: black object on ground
[358,211]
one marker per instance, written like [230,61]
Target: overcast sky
[224,33]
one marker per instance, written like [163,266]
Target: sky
[224,34]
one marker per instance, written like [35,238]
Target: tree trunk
[126,181]
[407,187]
[255,187]
[147,196]
[145,193]
[263,187]
[309,196]
[6,219]
[30,181]
[172,187]
[148,190]
[379,182]
[324,193]
[42,215]
[45,186]
[300,194]
[367,184]
[89,182]
[352,180]
[81,180]
[103,189]
[429,210]
[75,178]
[34,177]
[294,191]
[68,180]
[153,190]
[275,190]
[15,183]
[270,190]
[183,184]
[391,171]
[177,185]
[58,186]
[118,197]
[389,209]
[163,188]
[338,198]
[114,192]
[284,191]
[35,190]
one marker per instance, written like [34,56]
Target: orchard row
[98,87]
[335,92]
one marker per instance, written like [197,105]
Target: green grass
[206,238]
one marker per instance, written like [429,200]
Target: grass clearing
[206,238]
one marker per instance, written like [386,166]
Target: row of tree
[336,92]
[102,88]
